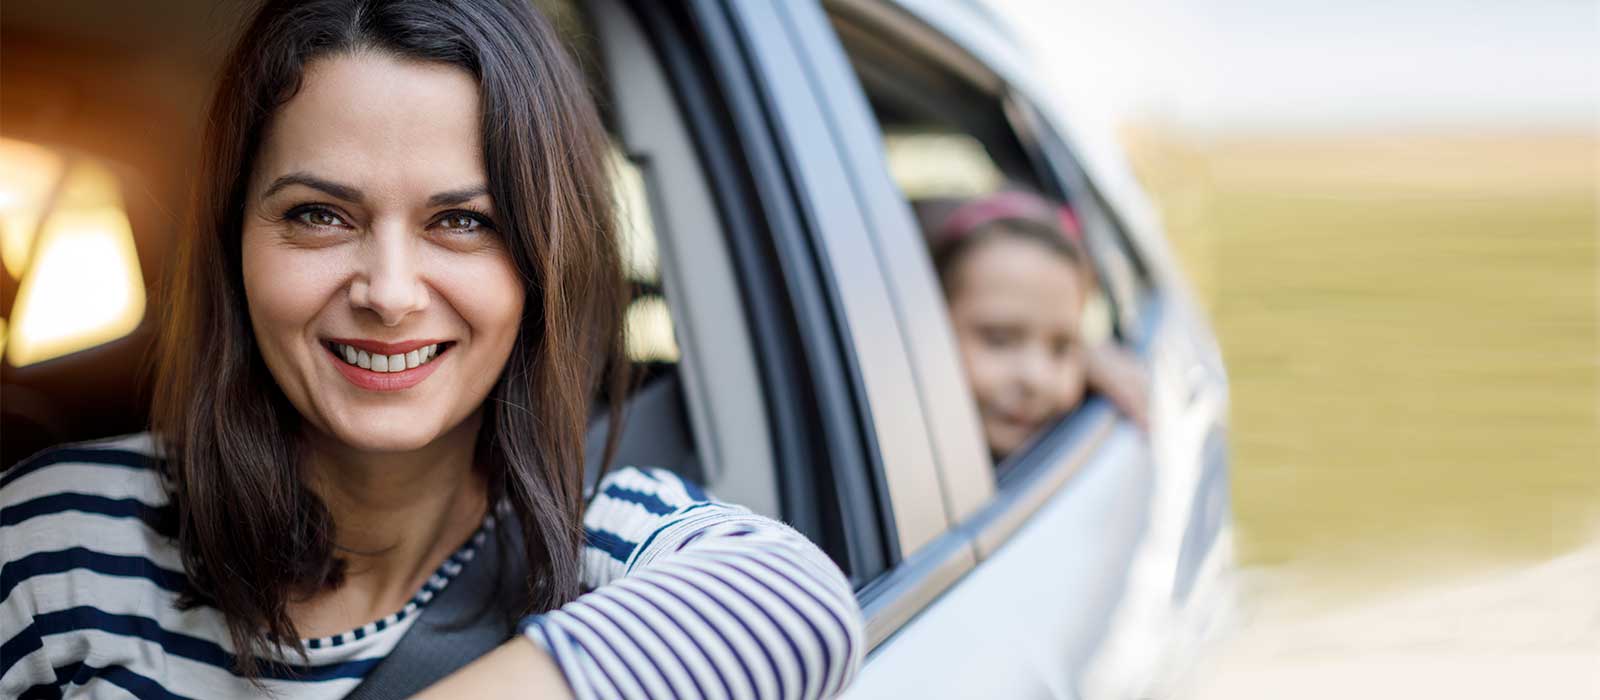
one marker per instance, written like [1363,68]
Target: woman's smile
[380,366]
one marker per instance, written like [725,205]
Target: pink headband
[1000,206]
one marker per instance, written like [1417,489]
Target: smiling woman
[402,290]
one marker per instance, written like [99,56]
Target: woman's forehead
[380,123]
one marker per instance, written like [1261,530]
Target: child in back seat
[1019,285]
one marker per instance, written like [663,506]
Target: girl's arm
[691,598]
[1116,374]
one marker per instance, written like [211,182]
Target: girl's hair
[253,536]
[955,228]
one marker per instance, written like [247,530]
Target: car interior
[723,391]
[85,85]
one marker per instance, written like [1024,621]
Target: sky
[1319,65]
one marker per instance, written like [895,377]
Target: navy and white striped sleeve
[696,598]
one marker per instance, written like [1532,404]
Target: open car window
[953,131]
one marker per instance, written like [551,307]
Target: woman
[401,291]
[1018,283]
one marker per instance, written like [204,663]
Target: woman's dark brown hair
[252,534]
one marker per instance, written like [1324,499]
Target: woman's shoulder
[120,467]
[629,510]
[653,488]
[74,501]
[92,569]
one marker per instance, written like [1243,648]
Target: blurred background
[1390,212]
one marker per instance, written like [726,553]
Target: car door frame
[985,511]
[925,555]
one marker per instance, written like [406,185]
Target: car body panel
[1033,612]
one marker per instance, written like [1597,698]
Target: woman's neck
[397,516]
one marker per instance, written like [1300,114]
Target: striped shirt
[688,597]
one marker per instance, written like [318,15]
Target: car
[790,334]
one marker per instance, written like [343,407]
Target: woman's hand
[516,669]
[1116,374]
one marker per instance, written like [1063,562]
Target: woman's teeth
[386,363]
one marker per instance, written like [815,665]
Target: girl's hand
[516,669]
[1116,374]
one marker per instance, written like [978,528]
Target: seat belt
[455,628]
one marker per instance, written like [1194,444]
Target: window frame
[723,401]
[825,447]
[997,502]
[832,215]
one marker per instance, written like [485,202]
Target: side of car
[793,344]
[1071,568]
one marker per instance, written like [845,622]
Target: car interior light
[27,174]
[649,328]
[83,286]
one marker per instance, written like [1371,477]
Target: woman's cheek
[488,293]
[286,289]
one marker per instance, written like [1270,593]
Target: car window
[750,343]
[953,132]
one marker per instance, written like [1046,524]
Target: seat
[655,433]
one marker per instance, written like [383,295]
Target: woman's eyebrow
[449,197]
[344,192]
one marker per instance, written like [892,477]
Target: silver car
[792,337]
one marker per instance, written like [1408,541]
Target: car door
[1062,533]
[874,447]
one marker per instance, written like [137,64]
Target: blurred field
[1410,329]
[1410,326]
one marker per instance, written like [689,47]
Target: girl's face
[382,297]
[1016,306]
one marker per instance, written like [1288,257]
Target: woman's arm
[691,598]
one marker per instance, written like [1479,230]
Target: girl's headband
[1001,206]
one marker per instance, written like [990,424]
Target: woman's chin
[383,434]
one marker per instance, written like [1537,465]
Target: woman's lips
[373,380]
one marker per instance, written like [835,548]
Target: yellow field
[1410,329]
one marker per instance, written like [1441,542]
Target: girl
[401,290]
[1018,282]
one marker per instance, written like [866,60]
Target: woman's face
[1016,306]
[369,247]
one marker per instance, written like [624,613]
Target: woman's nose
[390,283]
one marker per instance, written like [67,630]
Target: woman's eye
[318,216]
[462,222]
